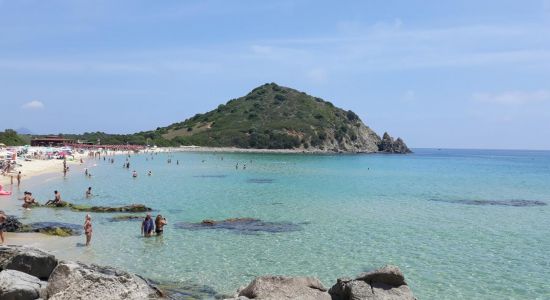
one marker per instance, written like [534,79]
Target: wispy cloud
[33,105]
[513,97]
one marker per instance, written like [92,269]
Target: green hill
[276,117]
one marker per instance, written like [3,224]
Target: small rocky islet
[28,273]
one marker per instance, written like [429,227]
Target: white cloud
[33,105]
[513,97]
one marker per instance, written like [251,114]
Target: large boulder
[16,285]
[387,283]
[29,260]
[281,287]
[75,280]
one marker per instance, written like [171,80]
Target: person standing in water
[19,178]
[88,229]
[159,224]
[147,226]
[134,174]
[89,192]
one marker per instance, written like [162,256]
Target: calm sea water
[357,212]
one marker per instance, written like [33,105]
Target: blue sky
[461,74]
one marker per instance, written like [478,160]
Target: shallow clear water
[357,212]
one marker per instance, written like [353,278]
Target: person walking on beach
[89,192]
[159,224]
[19,178]
[88,229]
[147,226]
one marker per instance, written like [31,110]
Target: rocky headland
[30,273]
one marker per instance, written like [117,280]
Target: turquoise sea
[351,213]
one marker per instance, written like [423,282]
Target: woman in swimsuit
[88,229]
[159,224]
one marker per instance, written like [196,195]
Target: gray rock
[75,280]
[390,275]
[12,224]
[29,260]
[387,283]
[280,287]
[389,145]
[16,285]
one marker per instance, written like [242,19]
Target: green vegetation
[269,117]
[10,137]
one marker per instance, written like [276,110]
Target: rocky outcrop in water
[387,283]
[384,283]
[75,280]
[53,228]
[389,145]
[281,287]
[126,218]
[12,224]
[23,267]
[242,225]
[133,208]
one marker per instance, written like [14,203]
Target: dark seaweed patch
[260,180]
[242,226]
[210,176]
[515,203]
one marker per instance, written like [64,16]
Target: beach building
[50,141]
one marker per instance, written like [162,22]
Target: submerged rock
[384,283]
[29,260]
[53,228]
[281,287]
[260,180]
[389,145]
[75,280]
[103,209]
[177,291]
[124,218]
[210,176]
[242,225]
[16,285]
[516,203]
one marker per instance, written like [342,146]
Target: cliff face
[276,117]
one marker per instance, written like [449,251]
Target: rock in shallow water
[29,260]
[516,203]
[281,287]
[12,224]
[53,228]
[126,218]
[75,280]
[16,285]
[242,225]
[384,283]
